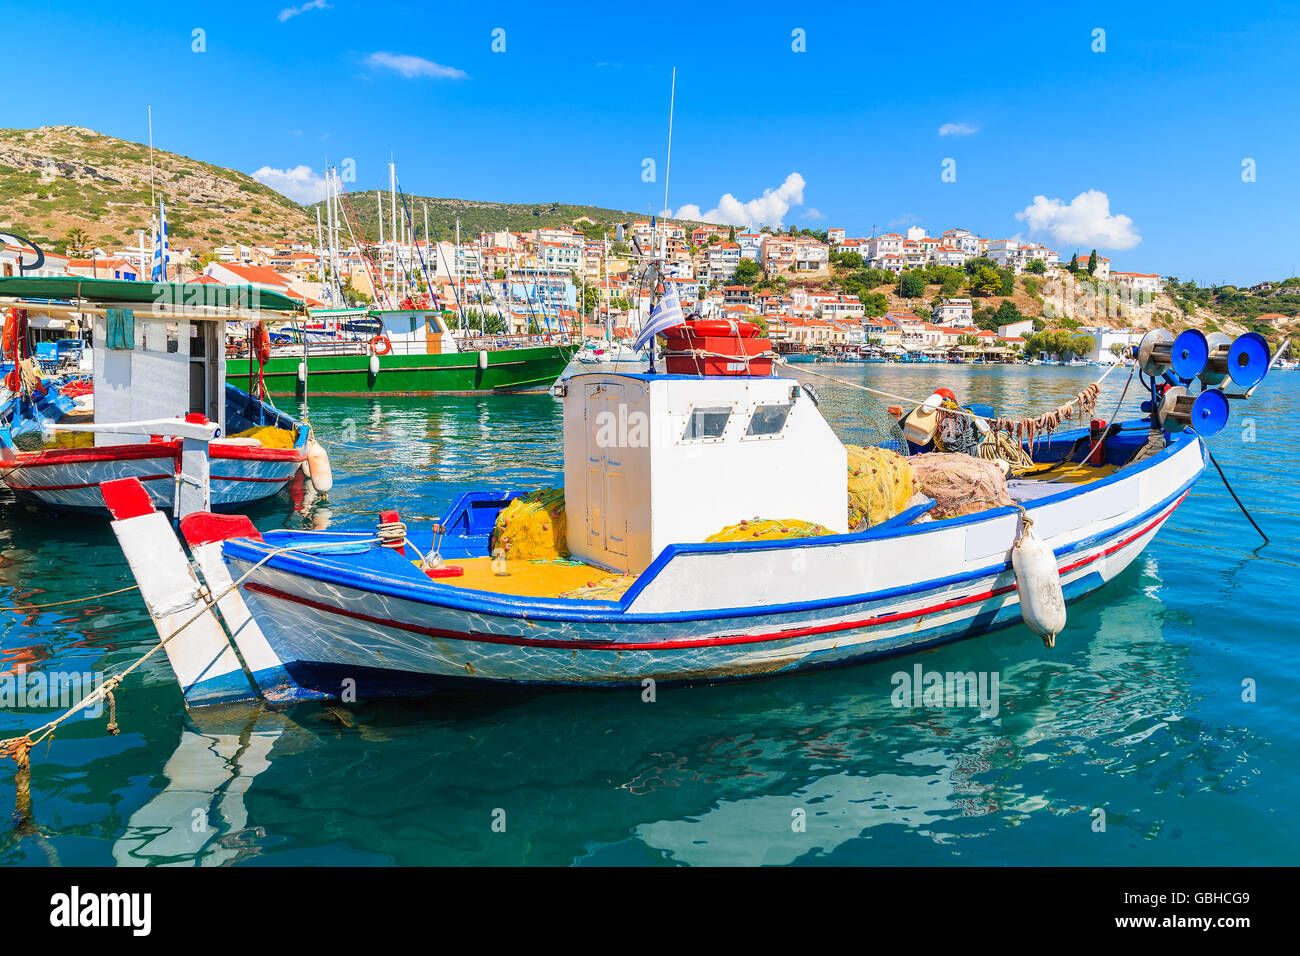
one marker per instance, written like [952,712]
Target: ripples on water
[1137,711]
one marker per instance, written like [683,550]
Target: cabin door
[606,453]
[205,382]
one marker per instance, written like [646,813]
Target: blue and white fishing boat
[158,407]
[653,465]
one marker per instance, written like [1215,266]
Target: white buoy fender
[482,359]
[374,364]
[302,371]
[1038,582]
[318,467]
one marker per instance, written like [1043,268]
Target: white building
[958,312]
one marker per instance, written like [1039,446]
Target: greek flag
[664,316]
[160,257]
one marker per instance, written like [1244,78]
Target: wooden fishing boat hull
[365,615]
[69,480]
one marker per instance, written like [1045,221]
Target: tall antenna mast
[668,165]
[153,199]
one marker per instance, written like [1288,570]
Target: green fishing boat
[399,352]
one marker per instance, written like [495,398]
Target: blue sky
[1159,124]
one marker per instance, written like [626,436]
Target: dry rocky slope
[58,178]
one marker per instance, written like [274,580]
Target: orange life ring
[10,333]
[381,345]
[746,330]
[260,343]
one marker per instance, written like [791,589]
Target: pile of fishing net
[880,485]
[606,589]
[533,526]
[268,435]
[960,484]
[767,529]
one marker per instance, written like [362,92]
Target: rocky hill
[58,178]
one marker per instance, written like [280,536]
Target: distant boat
[411,352]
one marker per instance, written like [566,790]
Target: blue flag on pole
[665,315]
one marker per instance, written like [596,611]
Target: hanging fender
[1038,584]
[318,467]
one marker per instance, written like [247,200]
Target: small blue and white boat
[653,465]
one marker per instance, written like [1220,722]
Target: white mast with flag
[160,256]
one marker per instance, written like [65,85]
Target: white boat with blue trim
[157,407]
[653,465]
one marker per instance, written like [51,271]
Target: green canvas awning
[121,291]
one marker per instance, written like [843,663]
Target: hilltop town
[582,269]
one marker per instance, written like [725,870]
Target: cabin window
[173,337]
[706,423]
[768,420]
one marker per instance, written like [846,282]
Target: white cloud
[957,129]
[300,184]
[412,67]
[1085,221]
[767,210]
[289,12]
[812,212]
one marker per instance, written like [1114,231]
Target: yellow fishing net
[880,484]
[768,530]
[268,435]
[533,526]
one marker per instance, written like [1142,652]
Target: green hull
[508,370]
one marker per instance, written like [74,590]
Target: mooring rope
[80,600]
[912,401]
[1215,463]
[19,747]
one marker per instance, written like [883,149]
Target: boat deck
[551,578]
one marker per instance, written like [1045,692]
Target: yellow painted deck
[536,578]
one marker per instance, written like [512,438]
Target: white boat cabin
[409,331]
[153,365]
[653,460]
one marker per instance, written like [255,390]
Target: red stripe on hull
[688,643]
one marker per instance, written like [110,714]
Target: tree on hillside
[911,285]
[77,240]
[1037,266]
[1007,313]
[979,262]
[874,304]
[747,272]
[1074,264]
[1008,286]
[985,281]
[1092,263]
[731,234]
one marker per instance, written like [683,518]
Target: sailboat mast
[459,279]
[392,215]
[432,277]
[379,203]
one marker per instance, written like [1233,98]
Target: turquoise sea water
[1138,710]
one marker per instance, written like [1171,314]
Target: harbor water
[1161,729]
